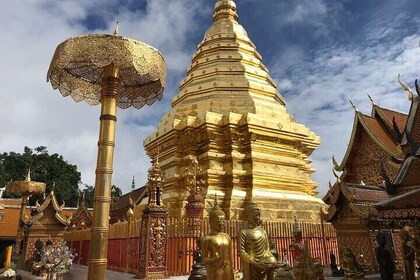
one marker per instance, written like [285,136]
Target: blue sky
[320,53]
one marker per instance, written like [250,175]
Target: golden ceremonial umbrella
[114,71]
[25,189]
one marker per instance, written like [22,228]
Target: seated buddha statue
[216,248]
[258,262]
[350,266]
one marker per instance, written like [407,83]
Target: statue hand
[259,264]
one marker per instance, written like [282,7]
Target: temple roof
[377,130]
[408,175]
[406,200]
[81,217]
[359,199]
[413,122]
[123,202]
[38,212]
[387,116]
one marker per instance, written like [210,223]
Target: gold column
[19,229]
[102,196]
[324,245]
[8,258]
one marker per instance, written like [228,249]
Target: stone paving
[79,272]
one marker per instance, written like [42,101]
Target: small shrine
[81,218]
[46,222]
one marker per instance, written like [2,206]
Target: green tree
[89,192]
[50,169]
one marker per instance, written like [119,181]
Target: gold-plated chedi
[114,71]
[216,248]
[229,114]
[258,263]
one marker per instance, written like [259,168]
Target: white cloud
[317,84]
[307,9]
[323,86]
[32,114]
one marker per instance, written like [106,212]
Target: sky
[321,53]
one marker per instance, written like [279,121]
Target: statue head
[405,234]
[297,232]
[252,214]
[216,217]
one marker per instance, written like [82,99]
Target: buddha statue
[198,271]
[216,248]
[408,252]
[350,266]
[304,265]
[258,263]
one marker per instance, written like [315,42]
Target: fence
[123,243]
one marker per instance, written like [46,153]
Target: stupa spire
[225,9]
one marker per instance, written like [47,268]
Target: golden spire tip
[406,88]
[28,176]
[354,106]
[116,28]
[371,99]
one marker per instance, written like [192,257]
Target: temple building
[379,187]
[44,221]
[373,149]
[229,116]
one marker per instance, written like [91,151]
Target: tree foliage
[89,193]
[50,169]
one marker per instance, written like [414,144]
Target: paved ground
[79,272]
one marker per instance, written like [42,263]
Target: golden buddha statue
[352,270]
[216,250]
[258,263]
[408,252]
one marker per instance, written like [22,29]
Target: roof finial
[406,88]
[335,164]
[53,187]
[116,28]
[133,184]
[354,106]
[371,99]
[225,9]
[336,176]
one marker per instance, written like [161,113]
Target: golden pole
[102,197]
[324,245]
[8,258]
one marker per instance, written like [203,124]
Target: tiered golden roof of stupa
[229,114]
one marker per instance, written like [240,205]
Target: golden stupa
[229,115]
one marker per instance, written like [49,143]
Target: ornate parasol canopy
[26,187]
[78,64]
